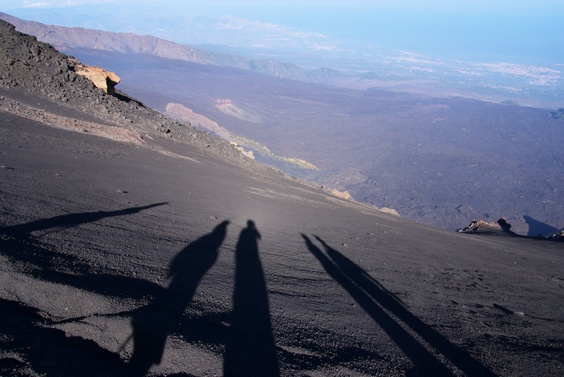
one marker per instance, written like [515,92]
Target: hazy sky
[473,29]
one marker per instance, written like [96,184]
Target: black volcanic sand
[120,260]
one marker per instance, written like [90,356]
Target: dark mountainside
[132,245]
[440,161]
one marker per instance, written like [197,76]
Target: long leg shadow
[250,349]
[153,323]
[69,221]
[377,301]
[21,247]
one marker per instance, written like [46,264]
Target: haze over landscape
[522,31]
[273,189]
[493,50]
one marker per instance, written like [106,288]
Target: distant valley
[439,160]
[312,58]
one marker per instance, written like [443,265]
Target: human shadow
[250,348]
[19,245]
[153,323]
[69,221]
[381,304]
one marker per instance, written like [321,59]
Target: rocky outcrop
[503,227]
[559,236]
[101,78]
[36,68]
[342,194]
[480,226]
[242,150]
[390,211]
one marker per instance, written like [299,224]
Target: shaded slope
[65,38]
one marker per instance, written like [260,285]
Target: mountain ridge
[64,38]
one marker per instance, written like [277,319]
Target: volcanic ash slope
[178,256]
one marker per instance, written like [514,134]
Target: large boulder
[103,79]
